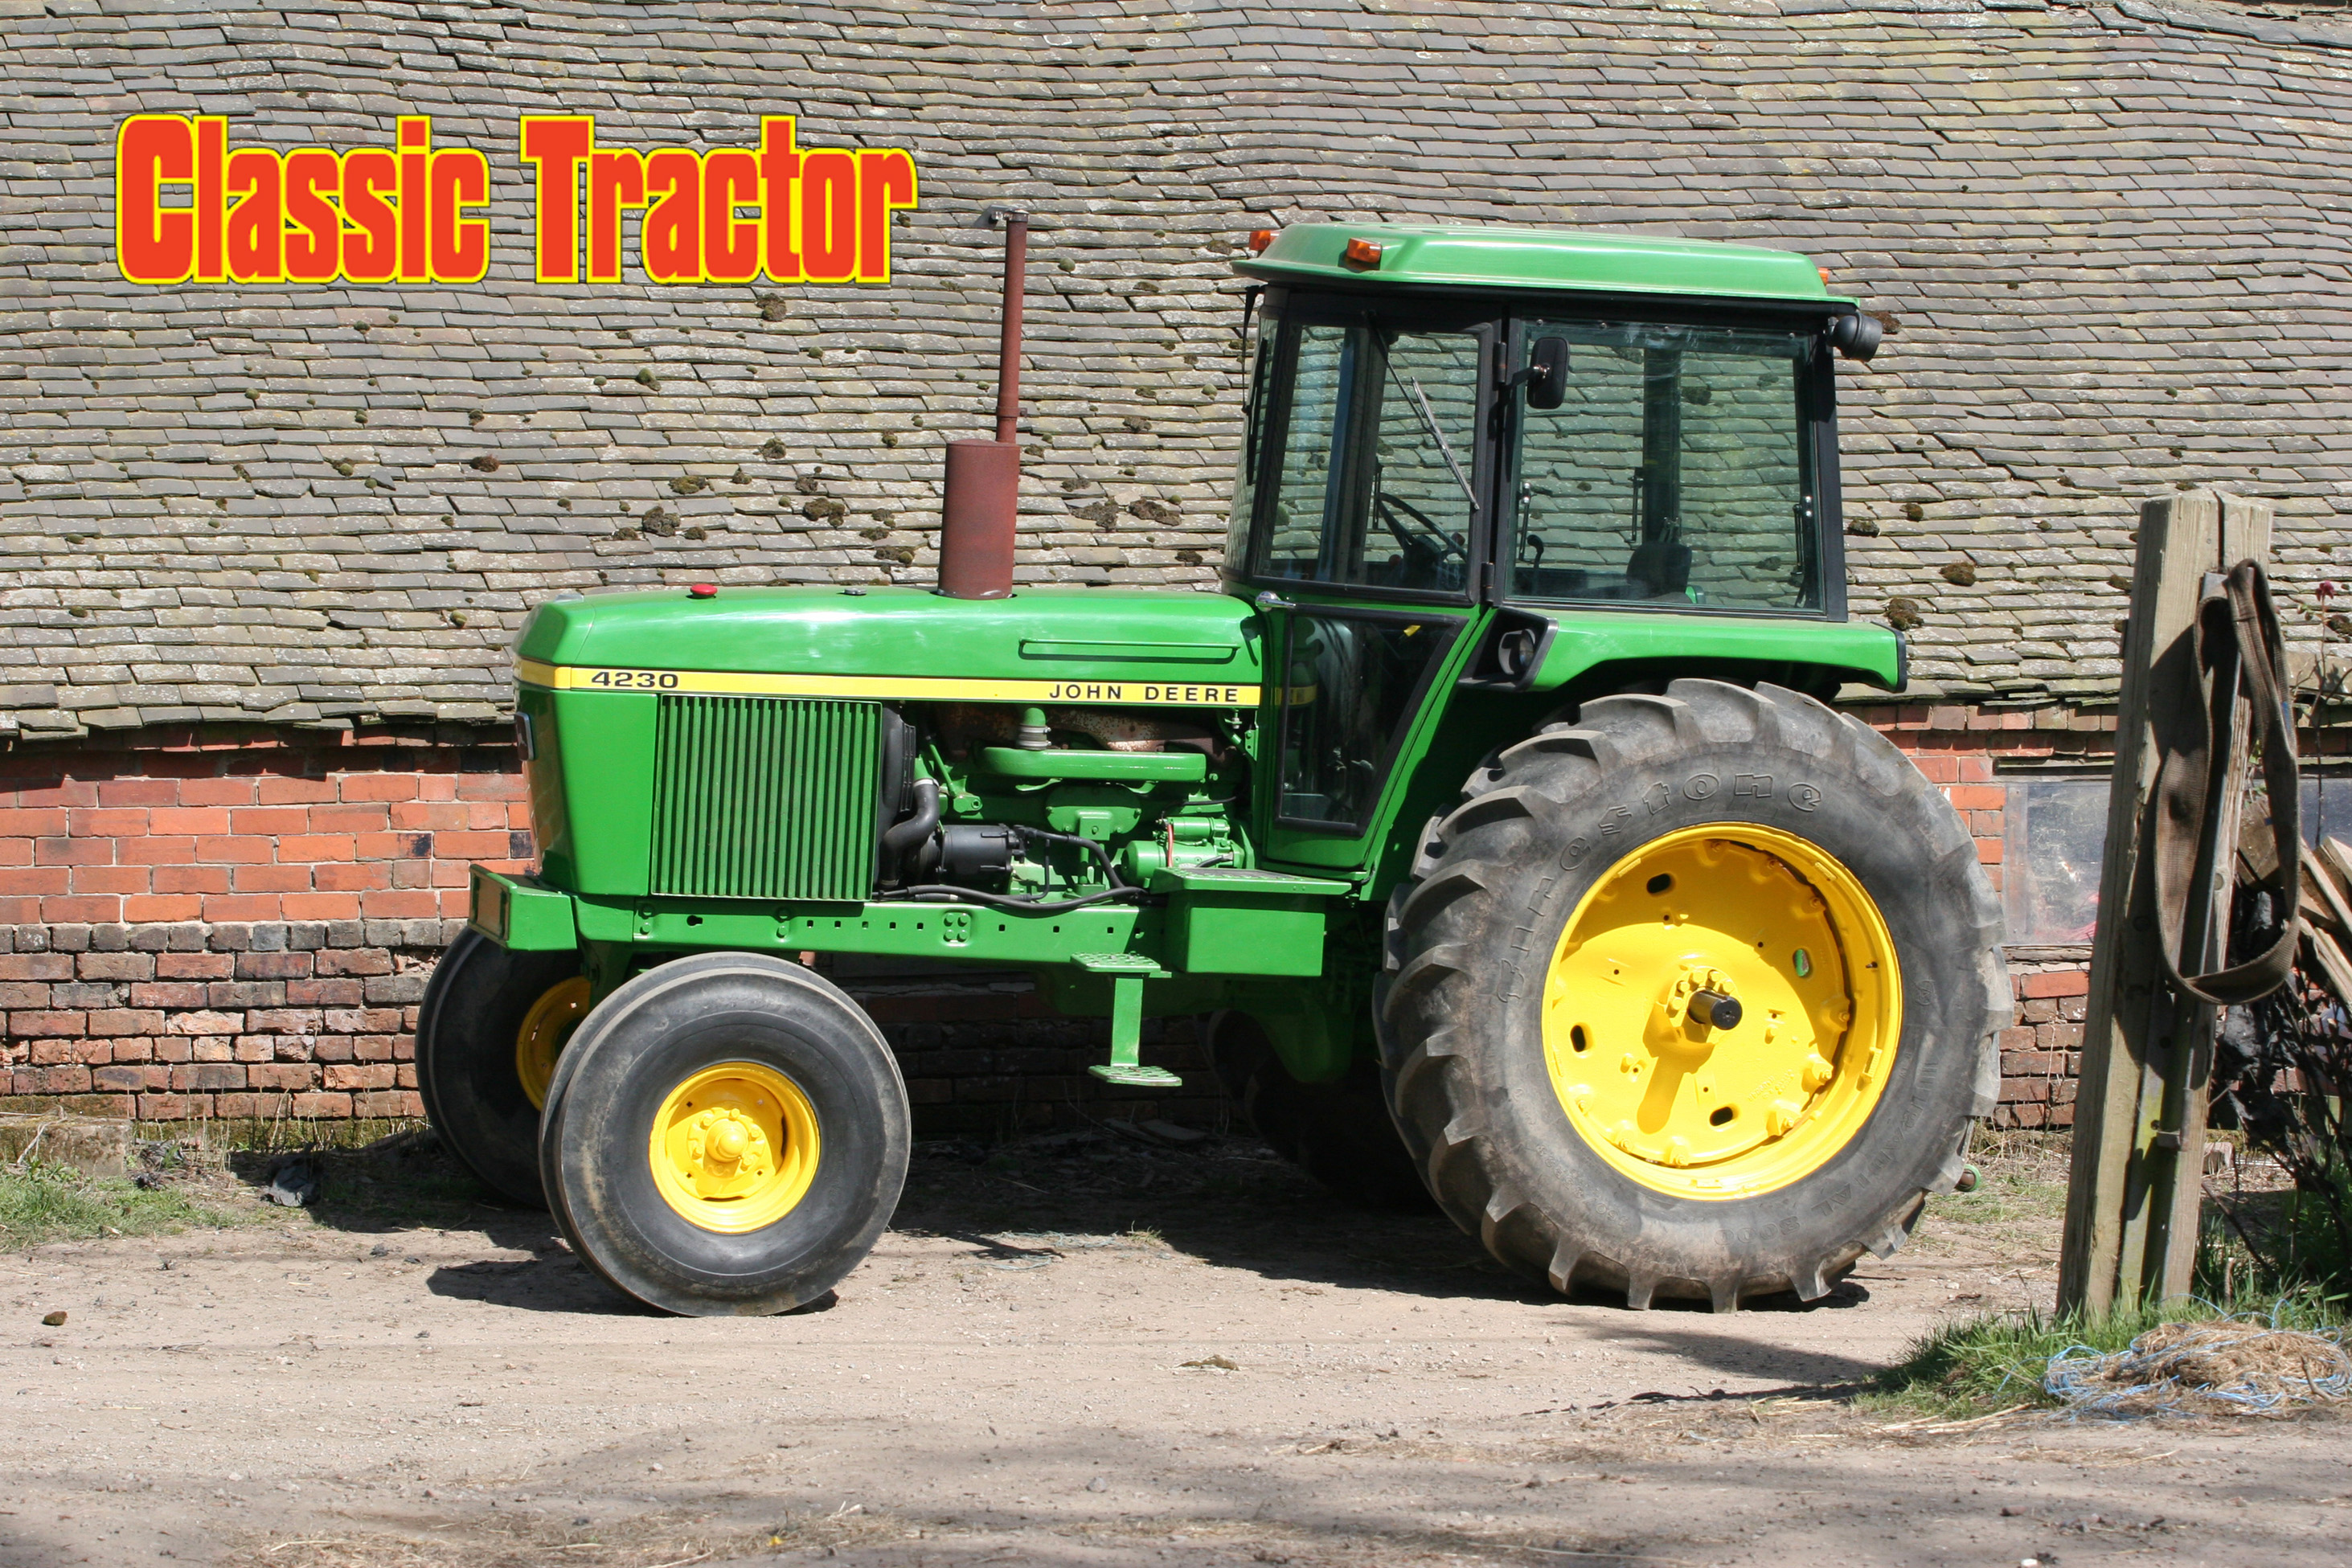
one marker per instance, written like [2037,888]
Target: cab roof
[1484,257]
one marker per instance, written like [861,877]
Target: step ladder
[1128,971]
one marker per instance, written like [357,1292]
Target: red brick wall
[198,924]
[2042,1052]
[205,926]
[229,832]
[1962,748]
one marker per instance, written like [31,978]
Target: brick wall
[2041,1052]
[228,924]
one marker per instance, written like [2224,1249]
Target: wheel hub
[1721,1011]
[1685,1023]
[734,1148]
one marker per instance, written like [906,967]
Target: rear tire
[475,1008]
[727,1135]
[1339,1133]
[1763,781]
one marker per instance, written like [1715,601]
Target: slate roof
[2112,245]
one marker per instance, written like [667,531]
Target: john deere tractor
[1492,811]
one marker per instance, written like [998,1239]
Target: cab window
[1675,468]
[1364,448]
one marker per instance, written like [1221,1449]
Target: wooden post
[2148,1055]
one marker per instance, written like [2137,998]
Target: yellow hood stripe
[1180,691]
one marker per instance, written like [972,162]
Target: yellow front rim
[734,1148]
[545,1030]
[1771,923]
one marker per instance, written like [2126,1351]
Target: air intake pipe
[982,499]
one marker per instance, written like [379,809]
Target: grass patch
[274,1134]
[2004,1194]
[1990,1363]
[56,1203]
[2259,1245]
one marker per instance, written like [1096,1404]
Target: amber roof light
[1362,253]
[1259,239]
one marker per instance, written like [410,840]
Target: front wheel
[727,1134]
[487,1034]
[1694,996]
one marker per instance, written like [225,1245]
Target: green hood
[1053,644]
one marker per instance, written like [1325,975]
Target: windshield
[1367,476]
[1673,469]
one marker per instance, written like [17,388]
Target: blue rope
[2086,1380]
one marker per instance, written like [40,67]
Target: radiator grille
[765,798]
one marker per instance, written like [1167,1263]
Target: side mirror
[1856,337]
[1547,372]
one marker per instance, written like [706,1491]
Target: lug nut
[1714,1010]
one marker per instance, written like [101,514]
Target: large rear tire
[490,1028]
[1552,1009]
[727,1134]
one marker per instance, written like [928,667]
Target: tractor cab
[1461,443]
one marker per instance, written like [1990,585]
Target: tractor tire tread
[1514,807]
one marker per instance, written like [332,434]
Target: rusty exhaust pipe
[982,501]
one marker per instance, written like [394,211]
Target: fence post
[2139,1116]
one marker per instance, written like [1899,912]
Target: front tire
[490,1026]
[727,1135]
[1545,1006]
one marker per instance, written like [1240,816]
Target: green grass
[274,1134]
[1996,1360]
[2259,1245]
[55,1203]
[1990,1363]
[2004,1194]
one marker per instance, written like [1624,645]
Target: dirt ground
[1074,1351]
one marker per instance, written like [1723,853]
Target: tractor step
[1134,964]
[1136,1076]
[1128,971]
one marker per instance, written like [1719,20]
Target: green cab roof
[1515,258]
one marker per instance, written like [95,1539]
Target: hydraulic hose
[1110,871]
[935,893]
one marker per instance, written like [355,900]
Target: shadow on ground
[1226,1199]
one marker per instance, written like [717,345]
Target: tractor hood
[1136,647]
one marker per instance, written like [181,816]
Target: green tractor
[1493,812]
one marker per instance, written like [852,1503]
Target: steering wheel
[1425,539]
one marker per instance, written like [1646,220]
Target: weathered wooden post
[2147,1050]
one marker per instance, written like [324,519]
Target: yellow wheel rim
[1726,912]
[734,1148]
[545,1030]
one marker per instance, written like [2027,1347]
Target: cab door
[1365,485]
[1351,682]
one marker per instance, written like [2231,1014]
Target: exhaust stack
[983,478]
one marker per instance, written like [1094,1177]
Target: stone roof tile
[2111,251]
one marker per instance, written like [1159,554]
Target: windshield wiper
[1429,423]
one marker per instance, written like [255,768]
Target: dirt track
[1087,1353]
